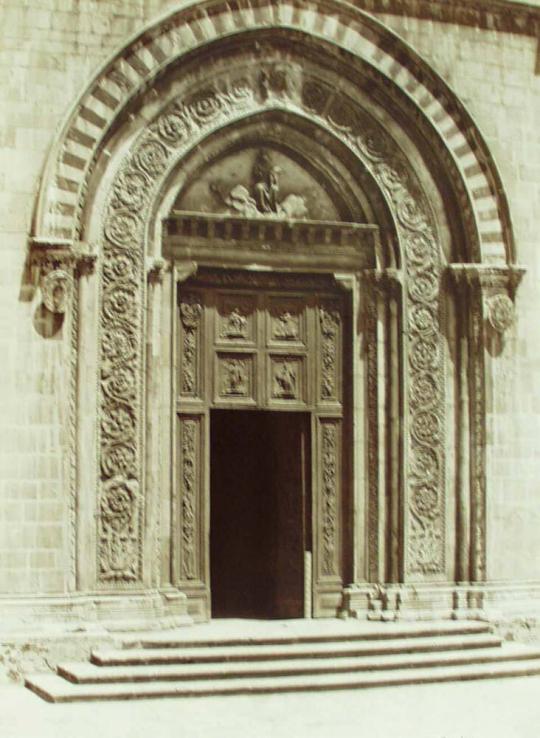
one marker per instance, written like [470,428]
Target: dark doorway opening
[260,513]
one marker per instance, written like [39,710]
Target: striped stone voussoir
[164,42]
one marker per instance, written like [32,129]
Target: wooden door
[274,350]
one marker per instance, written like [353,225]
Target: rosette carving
[118,530]
[500,312]
[130,189]
[122,227]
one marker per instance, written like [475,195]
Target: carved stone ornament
[329,450]
[119,530]
[500,312]
[262,197]
[180,127]
[56,287]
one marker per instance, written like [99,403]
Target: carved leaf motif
[329,319]
[190,315]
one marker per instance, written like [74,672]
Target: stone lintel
[271,242]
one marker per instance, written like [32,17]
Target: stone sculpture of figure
[262,197]
[286,380]
[266,193]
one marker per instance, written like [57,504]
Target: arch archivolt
[183,126]
[182,33]
[141,133]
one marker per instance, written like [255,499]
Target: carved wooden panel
[287,379]
[235,378]
[328,503]
[191,482]
[236,319]
[330,352]
[190,346]
[286,321]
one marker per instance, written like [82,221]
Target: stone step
[301,631]
[256,652]
[56,689]
[86,673]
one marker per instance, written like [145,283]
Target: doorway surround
[231,353]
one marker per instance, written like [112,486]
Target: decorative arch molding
[179,33]
[115,170]
[184,125]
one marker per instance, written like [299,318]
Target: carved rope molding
[63,192]
[178,128]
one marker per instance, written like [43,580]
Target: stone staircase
[287,656]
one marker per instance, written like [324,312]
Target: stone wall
[49,50]
[494,76]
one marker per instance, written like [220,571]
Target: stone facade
[433,136]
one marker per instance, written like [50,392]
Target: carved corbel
[155,270]
[54,265]
[492,289]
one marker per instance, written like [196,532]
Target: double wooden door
[266,349]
